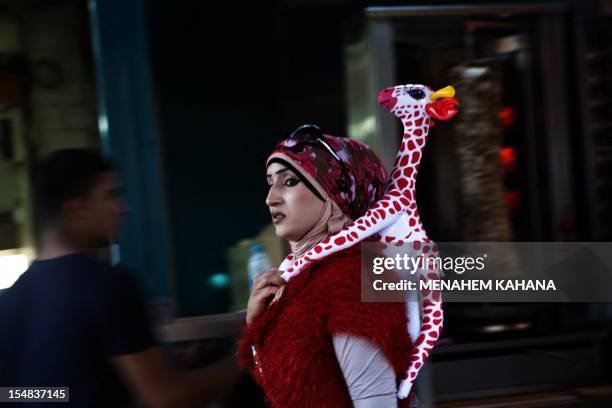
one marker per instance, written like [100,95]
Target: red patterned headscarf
[352,175]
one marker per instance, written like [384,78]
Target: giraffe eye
[416,93]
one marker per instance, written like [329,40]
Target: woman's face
[294,208]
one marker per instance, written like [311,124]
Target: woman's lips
[277,218]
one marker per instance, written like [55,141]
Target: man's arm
[151,378]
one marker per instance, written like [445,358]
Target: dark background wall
[231,81]
[214,72]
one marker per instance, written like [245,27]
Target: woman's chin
[281,233]
[285,233]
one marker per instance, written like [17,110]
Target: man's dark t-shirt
[63,320]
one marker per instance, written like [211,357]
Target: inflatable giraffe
[395,217]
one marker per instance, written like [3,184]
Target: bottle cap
[257,248]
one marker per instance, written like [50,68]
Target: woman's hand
[266,285]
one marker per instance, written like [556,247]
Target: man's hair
[66,174]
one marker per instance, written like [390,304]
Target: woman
[317,344]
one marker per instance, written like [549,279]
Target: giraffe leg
[431,321]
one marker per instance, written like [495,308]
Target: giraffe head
[419,101]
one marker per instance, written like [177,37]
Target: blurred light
[506,115]
[513,201]
[362,130]
[475,72]
[115,253]
[495,328]
[507,156]
[11,268]
[521,326]
[103,125]
[510,44]
[219,280]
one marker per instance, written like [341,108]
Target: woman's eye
[290,182]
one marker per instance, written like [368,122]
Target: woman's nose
[273,197]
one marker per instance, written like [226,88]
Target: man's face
[99,215]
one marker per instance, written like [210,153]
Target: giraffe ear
[442,109]
[386,99]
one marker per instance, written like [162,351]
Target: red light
[507,157]
[506,116]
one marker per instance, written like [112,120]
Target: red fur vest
[293,342]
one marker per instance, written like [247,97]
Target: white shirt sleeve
[369,376]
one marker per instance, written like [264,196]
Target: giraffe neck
[408,158]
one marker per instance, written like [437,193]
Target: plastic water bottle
[258,262]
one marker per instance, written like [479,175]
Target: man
[73,321]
